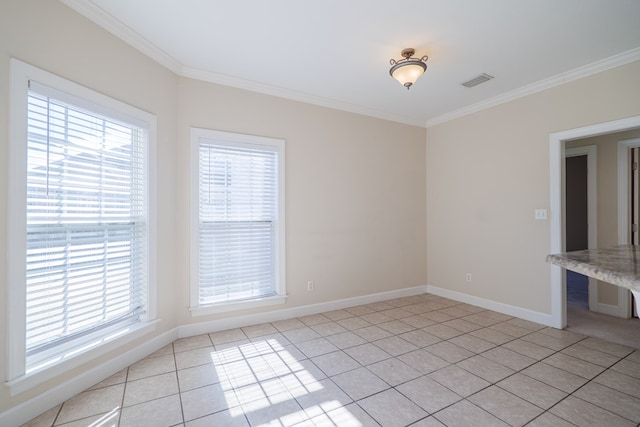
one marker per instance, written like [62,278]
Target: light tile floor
[422,360]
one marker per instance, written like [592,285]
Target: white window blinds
[238,221]
[87,234]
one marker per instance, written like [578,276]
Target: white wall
[356,194]
[487,172]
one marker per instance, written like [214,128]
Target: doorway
[557,219]
[629,195]
[581,220]
[613,191]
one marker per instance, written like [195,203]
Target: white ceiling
[336,52]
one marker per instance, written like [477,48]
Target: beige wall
[53,37]
[606,196]
[487,172]
[356,192]
[355,188]
[354,212]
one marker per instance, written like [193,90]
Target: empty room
[288,213]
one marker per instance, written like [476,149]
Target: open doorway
[557,170]
[629,195]
[576,224]
[581,220]
[606,326]
[615,208]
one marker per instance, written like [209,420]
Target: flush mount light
[409,69]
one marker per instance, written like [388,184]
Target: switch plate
[541,214]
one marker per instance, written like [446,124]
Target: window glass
[238,233]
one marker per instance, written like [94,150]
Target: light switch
[541,214]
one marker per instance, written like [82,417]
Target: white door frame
[623,187]
[592,209]
[556,180]
[624,301]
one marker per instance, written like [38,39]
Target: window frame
[93,345]
[237,140]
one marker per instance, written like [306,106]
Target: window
[237,221]
[81,206]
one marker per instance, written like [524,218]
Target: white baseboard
[511,310]
[25,411]
[612,310]
[289,313]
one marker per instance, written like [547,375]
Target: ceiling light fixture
[409,69]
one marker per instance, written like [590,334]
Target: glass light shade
[408,73]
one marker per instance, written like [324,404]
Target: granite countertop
[619,265]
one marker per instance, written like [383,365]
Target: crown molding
[557,80]
[94,13]
[280,92]
[104,20]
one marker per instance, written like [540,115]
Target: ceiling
[336,52]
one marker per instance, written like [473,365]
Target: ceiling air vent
[477,80]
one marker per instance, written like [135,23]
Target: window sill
[71,361]
[226,307]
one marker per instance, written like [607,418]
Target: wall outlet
[467,277]
[540,214]
[310,286]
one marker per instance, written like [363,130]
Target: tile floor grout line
[595,404]
[364,409]
[465,333]
[573,392]
[124,393]
[457,309]
[175,363]
[53,423]
[585,401]
[549,412]
[470,402]
[491,384]
[536,379]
